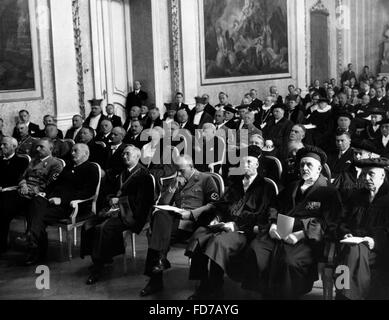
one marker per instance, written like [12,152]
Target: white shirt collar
[10,157]
[115,147]
[385,140]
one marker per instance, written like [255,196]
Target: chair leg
[75,236]
[60,234]
[133,248]
[69,239]
[25,225]
[328,283]
[125,240]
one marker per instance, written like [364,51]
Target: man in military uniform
[193,192]
[77,181]
[40,173]
[241,212]
[27,143]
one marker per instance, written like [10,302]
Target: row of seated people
[234,233]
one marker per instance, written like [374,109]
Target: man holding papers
[241,212]
[365,246]
[192,191]
[282,264]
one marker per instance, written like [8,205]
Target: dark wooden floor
[67,278]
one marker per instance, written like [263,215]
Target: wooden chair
[75,220]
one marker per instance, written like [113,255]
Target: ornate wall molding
[339,37]
[78,48]
[176,40]
[319,8]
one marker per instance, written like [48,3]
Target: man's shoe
[163,264]
[151,288]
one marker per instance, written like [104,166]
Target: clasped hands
[292,239]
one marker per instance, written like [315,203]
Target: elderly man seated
[282,263]
[12,168]
[242,209]
[40,174]
[193,192]
[364,249]
[128,209]
[76,182]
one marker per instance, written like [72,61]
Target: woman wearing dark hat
[284,266]
[367,218]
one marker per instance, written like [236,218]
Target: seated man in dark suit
[278,128]
[105,132]
[40,174]
[33,129]
[26,142]
[96,151]
[96,115]
[154,118]
[180,102]
[49,119]
[183,121]
[61,149]
[208,107]
[12,168]
[102,237]
[77,181]
[134,114]
[113,162]
[366,217]
[136,97]
[242,210]
[191,191]
[116,120]
[134,135]
[198,116]
[77,123]
[343,158]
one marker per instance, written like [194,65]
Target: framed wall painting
[20,72]
[244,40]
